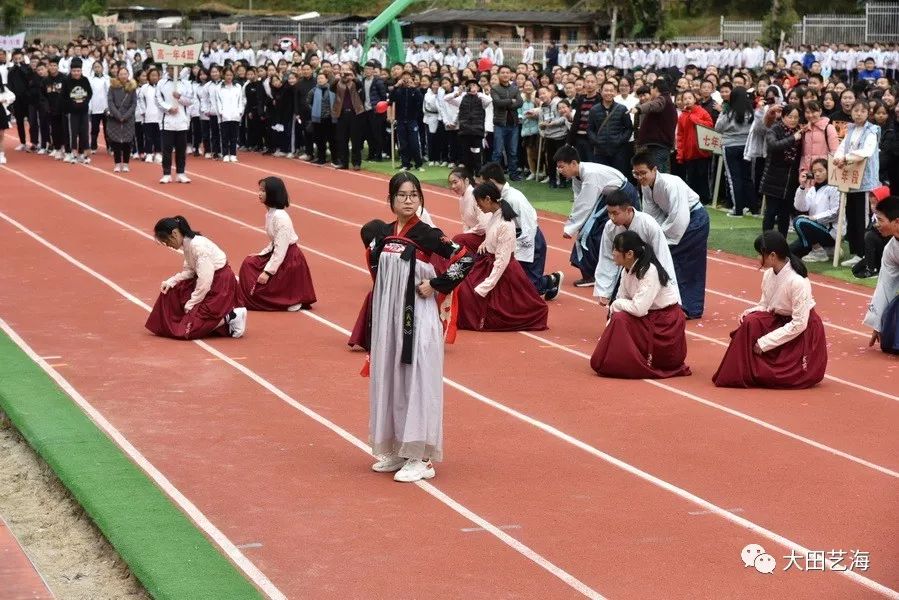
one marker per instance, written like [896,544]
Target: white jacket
[146,103]
[210,108]
[431,109]
[100,96]
[230,101]
[180,121]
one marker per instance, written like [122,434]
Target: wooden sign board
[105,21]
[175,55]
[848,177]
[228,28]
[709,140]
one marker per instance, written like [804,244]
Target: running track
[557,483]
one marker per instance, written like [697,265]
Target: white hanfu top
[639,296]
[788,294]
[587,187]
[281,235]
[669,201]
[500,242]
[526,221]
[474,220]
[650,232]
[202,258]
[887,285]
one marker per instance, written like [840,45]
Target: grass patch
[163,548]
[728,234]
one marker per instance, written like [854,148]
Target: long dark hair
[629,241]
[491,192]
[166,225]
[774,241]
[740,106]
[462,173]
[275,192]
[398,180]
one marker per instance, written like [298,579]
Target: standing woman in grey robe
[410,301]
[122,102]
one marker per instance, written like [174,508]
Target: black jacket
[254,93]
[304,86]
[52,92]
[377,93]
[18,79]
[781,176]
[408,103]
[608,139]
[471,116]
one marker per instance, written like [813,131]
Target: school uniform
[497,294]
[646,334]
[230,105]
[883,311]
[98,105]
[589,213]
[175,126]
[77,94]
[290,281]
[789,332]
[152,117]
[818,226]
[685,223]
[201,295]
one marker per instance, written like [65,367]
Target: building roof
[521,17]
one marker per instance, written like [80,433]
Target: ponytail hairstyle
[629,241]
[491,192]
[774,241]
[165,226]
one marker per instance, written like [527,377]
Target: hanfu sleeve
[801,303]
[887,286]
[280,242]
[606,270]
[505,245]
[462,260]
[205,273]
[185,274]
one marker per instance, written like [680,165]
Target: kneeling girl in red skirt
[780,343]
[277,278]
[646,334]
[474,220]
[497,294]
[202,298]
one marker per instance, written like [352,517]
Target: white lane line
[478,529]
[195,514]
[682,393]
[254,573]
[512,542]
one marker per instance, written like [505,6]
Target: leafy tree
[12,12]
[781,18]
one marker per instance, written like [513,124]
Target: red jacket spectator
[687,141]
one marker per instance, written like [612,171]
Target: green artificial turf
[728,234]
[163,548]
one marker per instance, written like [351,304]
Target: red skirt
[360,334]
[650,347]
[798,364]
[513,305]
[292,284]
[168,319]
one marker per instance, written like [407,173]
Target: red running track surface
[598,487]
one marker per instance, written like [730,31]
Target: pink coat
[818,142]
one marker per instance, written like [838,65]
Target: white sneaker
[207,155]
[42,151]
[70,158]
[158,159]
[182,178]
[126,168]
[295,307]
[415,470]
[56,154]
[2,158]
[389,464]
[530,177]
[117,168]
[544,180]
[279,154]
[148,158]
[816,255]
[304,157]
[20,147]
[85,160]
[851,262]
[233,158]
[238,325]
[166,179]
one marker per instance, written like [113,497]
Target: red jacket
[687,142]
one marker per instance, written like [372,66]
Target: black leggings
[856,206]
[777,210]
[96,119]
[152,138]
[229,137]
[121,152]
[78,132]
[177,141]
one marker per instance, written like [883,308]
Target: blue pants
[739,180]
[534,269]
[661,155]
[408,142]
[810,233]
[689,256]
[889,328]
[506,138]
